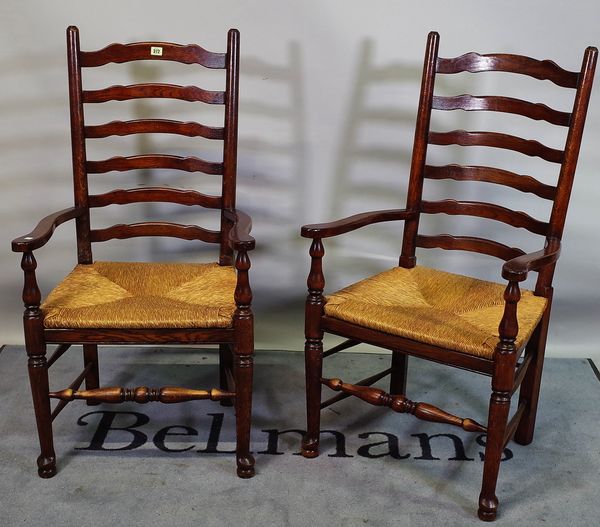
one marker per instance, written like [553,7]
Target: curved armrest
[518,268]
[239,235]
[39,236]
[325,230]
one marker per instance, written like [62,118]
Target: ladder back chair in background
[145,303]
[453,319]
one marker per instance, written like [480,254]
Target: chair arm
[239,235]
[39,236]
[334,228]
[518,268]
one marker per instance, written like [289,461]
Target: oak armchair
[145,303]
[485,327]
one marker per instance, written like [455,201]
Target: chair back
[82,132]
[579,83]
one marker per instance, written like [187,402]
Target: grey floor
[376,468]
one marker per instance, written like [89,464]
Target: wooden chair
[145,303]
[453,319]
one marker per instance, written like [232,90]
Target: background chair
[449,318]
[145,303]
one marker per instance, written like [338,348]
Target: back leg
[399,373]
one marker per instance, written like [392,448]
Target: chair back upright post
[230,143]
[567,172]
[419,154]
[80,182]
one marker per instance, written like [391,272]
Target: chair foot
[523,439]
[46,467]
[488,508]
[245,467]
[310,448]
[226,402]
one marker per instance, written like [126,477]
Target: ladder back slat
[119,53]
[121,164]
[491,175]
[485,210]
[134,230]
[155,194]
[528,147]
[153,90]
[538,69]
[160,126]
[537,111]
[469,243]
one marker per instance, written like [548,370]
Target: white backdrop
[329,90]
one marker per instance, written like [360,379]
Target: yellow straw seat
[444,309]
[143,295]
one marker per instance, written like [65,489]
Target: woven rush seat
[143,295]
[444,309]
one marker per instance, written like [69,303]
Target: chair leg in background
[225,363]
[530,387]
[399,373]
[92,379]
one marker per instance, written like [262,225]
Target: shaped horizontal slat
[491,175]
[159,126]
[119,53]
[539,69]
[485,210]
[532,110]
[175,230]
[119,163]
[469,243]
[155,194]
[496,140]
[153,90]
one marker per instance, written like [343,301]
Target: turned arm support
[44,230]
[516,270]
[239,234]
[351,223]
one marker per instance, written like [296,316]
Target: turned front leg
[37,366]
[502,383]
[313,350]
[243,361]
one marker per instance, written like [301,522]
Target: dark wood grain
[528,147]
[155,194]
[539,69]
[153,90]
[351,223]
[186,54]
[121,164]
[518,268]
[155,228]
[140,336]
[535,111]
[491,175]
[485,210]
[239,234]
[469,243]
[146,126]
[43,231]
